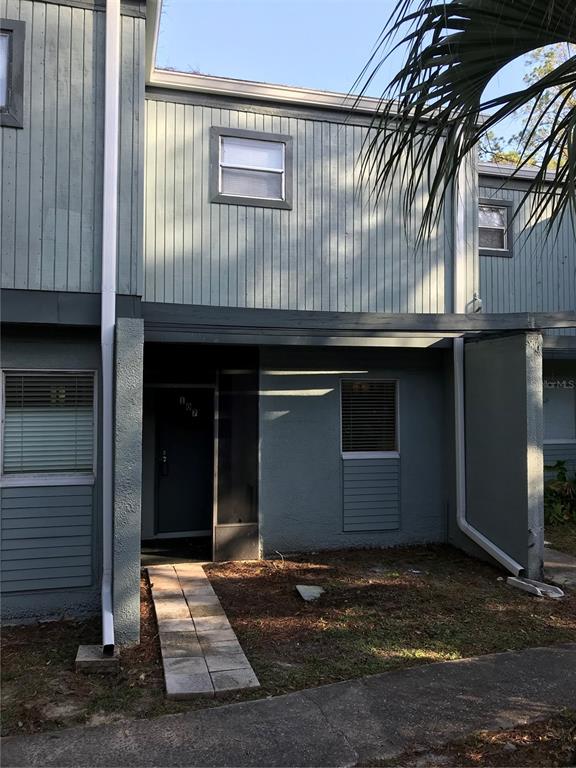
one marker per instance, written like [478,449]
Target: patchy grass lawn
[381,610]
[545,744]
[562,537]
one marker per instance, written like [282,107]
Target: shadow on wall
[335,250]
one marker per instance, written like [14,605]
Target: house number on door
[188,407]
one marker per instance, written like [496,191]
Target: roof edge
[251,89]
[510,171]
[154,11]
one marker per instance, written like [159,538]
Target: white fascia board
[153,13]
[510,171]
[249,89]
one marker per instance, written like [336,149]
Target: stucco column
[535,454]
[128,478]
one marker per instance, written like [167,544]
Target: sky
[320,44]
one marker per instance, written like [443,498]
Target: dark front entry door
[184,460]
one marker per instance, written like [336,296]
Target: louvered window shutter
[48,423]
[369,416]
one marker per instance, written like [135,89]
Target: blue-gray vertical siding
[541,275]
[131,158]
[51,169]
[335,250]
[554,452]
[47,538]
[371,494]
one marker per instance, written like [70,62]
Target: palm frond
[431,113]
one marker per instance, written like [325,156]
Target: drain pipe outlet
[108,308]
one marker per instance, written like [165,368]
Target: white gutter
[255,90]
[108,307]
[459,305]
[511,171]
[153,14]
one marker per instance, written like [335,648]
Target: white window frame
[352,455]
[245,167]
[502,205]
[30,480]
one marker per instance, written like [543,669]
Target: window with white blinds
[252,168]
[48,423]
[369,416]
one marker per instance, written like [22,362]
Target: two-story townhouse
[531,269]
[293,369]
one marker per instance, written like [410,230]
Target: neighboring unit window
[493,226]
[559,409]
[251,168]
[11,72]
[48,423]
[369,417]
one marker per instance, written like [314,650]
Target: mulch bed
[382,609]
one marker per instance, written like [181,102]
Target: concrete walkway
[336,725]
[201,654]
[559,568]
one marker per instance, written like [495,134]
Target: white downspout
[108,307]
[459,306]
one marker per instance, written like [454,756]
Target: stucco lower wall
[53,560]
[301,468]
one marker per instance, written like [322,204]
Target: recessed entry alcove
[200,453]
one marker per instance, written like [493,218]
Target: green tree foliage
[494,149]
[429,121]
[539,115]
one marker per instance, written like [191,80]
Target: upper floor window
[494,229]
[48,423]
[251,168]
[11,72]
[369,418]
